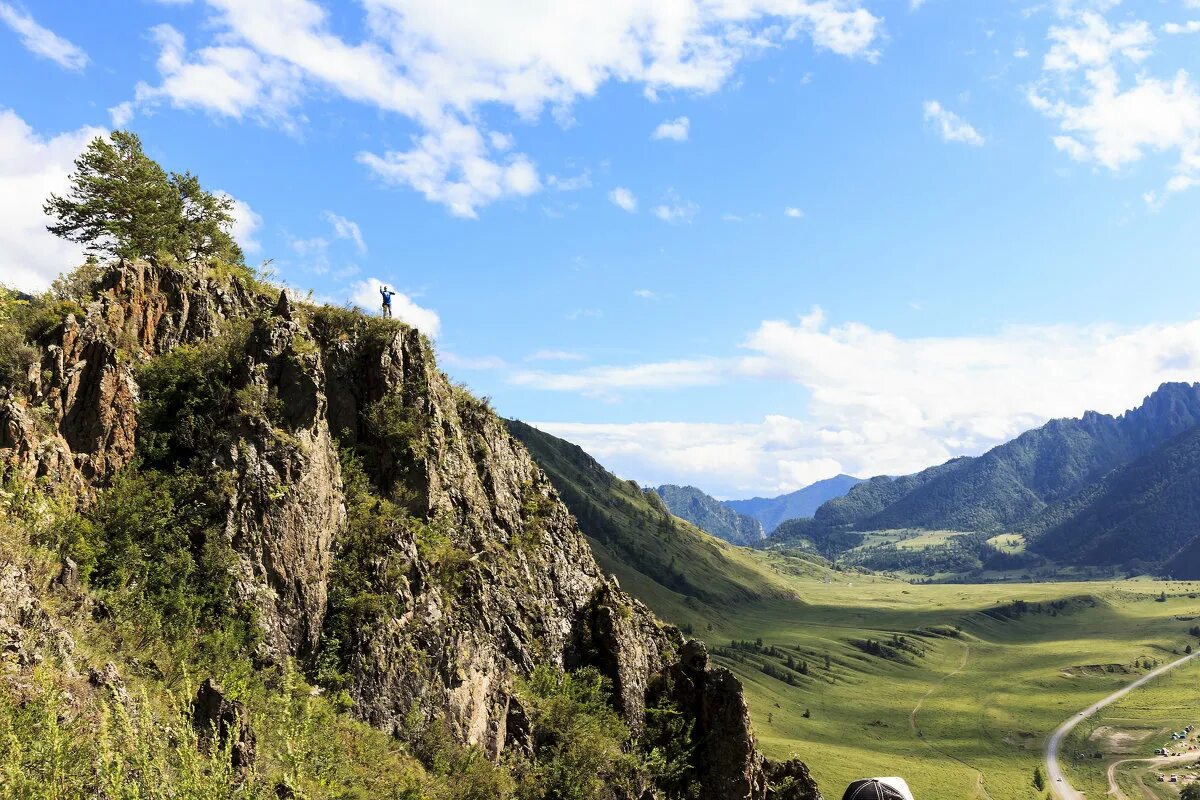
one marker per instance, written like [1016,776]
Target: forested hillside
[710,515]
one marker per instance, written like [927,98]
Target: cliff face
[509,582]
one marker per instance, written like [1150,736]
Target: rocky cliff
[379,518]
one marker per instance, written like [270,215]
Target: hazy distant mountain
[770,511]
[709,514]
[1010,485]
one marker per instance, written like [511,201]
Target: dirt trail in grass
[980,789]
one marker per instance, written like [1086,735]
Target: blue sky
[851,236]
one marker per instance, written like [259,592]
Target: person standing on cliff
[387,300]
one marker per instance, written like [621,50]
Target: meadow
[952,686]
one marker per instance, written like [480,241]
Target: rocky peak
[477,571]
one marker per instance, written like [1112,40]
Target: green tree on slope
[122,203]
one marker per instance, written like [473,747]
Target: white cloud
[674,129]
[41,41]
[623,198]
[675,209]
[793,212]
[440,64]
[474,363]
[555,355]
[610,380]
[454,167]
[1176,28]
[31,168]
[346,229]
[572,184]
[1110,109]
[877,403]
[246,222]
[644,294]
[365,295]
[950,126]
[224,80]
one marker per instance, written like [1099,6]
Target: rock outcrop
[223,723]
[509,584]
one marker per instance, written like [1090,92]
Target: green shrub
[161,559]
[579,740]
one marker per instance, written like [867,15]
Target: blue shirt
[387,296]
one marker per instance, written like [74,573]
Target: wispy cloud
[950,126]
[555,355]
[43,41]
[623,199]
[346,229]
[675,209]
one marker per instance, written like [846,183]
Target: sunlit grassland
[988,694]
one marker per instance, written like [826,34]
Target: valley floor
[954,687]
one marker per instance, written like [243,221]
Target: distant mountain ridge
[770,511]
[1012,483]
[1095,490]
[709,514]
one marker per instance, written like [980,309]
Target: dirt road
[1059,786]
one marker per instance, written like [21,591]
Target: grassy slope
[657,556]
[983,711]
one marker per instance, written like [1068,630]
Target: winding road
[1059,786]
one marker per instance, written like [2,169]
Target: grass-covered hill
[709,514]
[802,503]
[638,539]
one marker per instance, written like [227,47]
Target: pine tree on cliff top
[122,203]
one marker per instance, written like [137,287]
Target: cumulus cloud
[365,295]
[31,168]
[42,41]
[1111,109]
[623,199]
[950,126]
[346,229]
[877,403]
[674,129]
[223,80]
[793,212]
[439,65]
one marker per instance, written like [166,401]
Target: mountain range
[1094,490]
[770,511]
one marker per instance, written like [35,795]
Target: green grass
[987,697]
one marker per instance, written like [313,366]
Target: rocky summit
[381,528]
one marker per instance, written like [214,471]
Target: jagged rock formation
[504,582]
